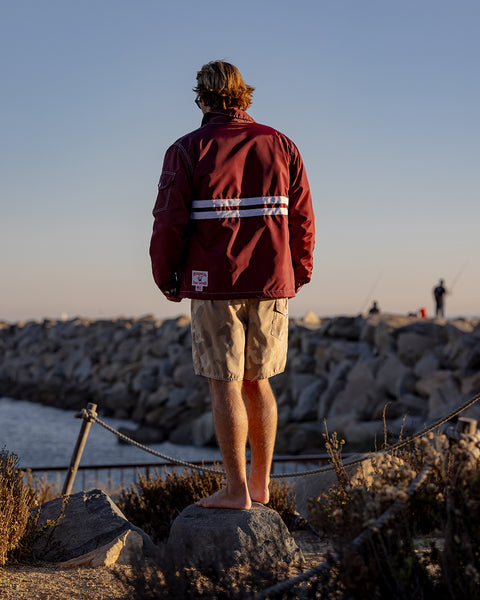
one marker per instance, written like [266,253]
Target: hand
[171,295]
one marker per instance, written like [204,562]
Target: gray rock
[307,406]
[444,399]
[336,382]
[184,375]
[89,520]
[438,379]
[298,382]
[382,338]
[203,432]
[412,346]
[223,538]
[391,374]
[413,404]
[301,437]
[358,398]
[365,434]
[345,327]
[429,363]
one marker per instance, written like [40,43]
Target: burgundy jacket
[233,216]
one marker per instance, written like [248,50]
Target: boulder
[411,346]
[123,550]
[358,397]
[344,327]
[364,434]
[444,400]
[307,406]
[429,363]
[223,538]
[89,522]
[427,385]
[391,375]
[295,438]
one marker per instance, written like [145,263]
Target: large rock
[89,522]
[411,346]
[123,550]
[223,538]
[306,408]
[391,374]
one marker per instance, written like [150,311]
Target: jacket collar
[224,115]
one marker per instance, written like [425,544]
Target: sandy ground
[45,581]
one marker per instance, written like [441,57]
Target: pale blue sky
[381,97]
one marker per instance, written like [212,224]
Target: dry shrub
[16,500]
[430,547]
[154,502]
[282,500]
[40,485]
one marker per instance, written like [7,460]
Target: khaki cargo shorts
[234,340]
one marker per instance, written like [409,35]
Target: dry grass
[16,501]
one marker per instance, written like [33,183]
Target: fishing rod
[370,293]
[455,279]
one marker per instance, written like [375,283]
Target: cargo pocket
[280,318]
[164,189]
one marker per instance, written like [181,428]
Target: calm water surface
[44,436]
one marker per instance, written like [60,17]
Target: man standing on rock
[439,292]
[234,231]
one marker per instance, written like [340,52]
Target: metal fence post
[86,415]
[466,426]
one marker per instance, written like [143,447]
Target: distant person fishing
[374,309]
[439,293]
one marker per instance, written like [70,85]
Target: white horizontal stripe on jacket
[228,208]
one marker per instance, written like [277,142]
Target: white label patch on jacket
[199,280]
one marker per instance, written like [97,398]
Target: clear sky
[382,97]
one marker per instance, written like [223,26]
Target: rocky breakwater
[349,372]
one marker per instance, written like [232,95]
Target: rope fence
[324,469]
[89,416]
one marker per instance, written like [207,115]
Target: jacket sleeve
[301,221]
[171,218]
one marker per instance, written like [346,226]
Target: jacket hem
[236,295]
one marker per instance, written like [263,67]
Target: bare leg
[262,428]
[231,428]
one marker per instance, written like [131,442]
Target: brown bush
[16,500]
[430,546]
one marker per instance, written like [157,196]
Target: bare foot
[258,493]
[224,499]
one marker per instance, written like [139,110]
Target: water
[44,436]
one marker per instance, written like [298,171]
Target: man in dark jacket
[439,292]
[234,231]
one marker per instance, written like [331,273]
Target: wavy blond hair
[220,85]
